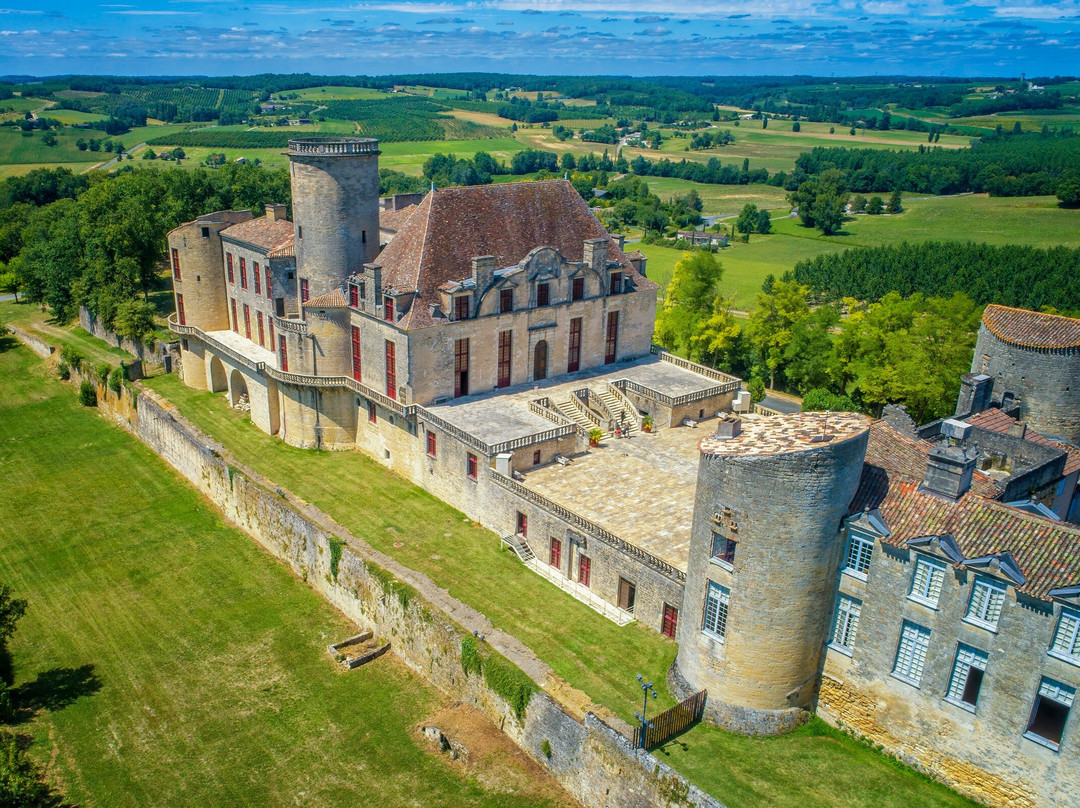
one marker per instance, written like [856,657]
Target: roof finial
[433,186]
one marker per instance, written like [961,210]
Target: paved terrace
[504,415]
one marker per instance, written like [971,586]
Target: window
[305,291]
[967,676]
[391,370]
[228,267]
[470,466]
[859,552]
[615,283]
[723,549]
[243,273]
[461,367]
[847,623]
[270,343]
[506,301]
[363,236]
[206,232]
[461,307]
[536,457]
[611,343]
[505,358]
[1051,711]
[573,361]
[522,524]
[911,653]
[543,294]
[372,413]
[584,570]
[388,309]
[669,623]
[255,275]
[180,309]
[431,443]
[987,599]
[555,554]
[926,583]
[577,289]
[235,322]
[176,264]
[283,353]
[1066,643]
[299,231]
[716,609]
[269,294]
[356,367]
[259,321]
[354,297]
[247,321]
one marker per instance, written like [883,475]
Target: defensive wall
[589,757]
[135,347]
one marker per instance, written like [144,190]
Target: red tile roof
[451,226]
[1030,328]
[1047,551]
[271,236]
[391,221]
[997,421]
[335,298]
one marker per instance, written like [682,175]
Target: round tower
[765,549]
[335,198]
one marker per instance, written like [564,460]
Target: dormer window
[543,294]
[461,307]
[388,309]
[615,285]
[506,301]
[577,289]
[354,296]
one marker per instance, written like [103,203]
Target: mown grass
[722,200]
[173,663]
[15,148]
[30,318]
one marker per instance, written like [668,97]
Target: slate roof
[451,226]
[335,298]
[1031,329]
[1047,551]
[264,234]
[997,421]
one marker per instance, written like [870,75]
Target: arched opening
[238,391]
[540,357]
[218,383]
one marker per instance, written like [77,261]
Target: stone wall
[35,344]
[589,757]
[151,355]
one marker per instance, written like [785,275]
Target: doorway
[540,357]
[627,591]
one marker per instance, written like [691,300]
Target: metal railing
[591,528]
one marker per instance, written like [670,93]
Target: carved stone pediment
[543,263]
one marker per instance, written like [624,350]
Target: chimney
[620,239]
[502,463]
[1017,429]
[595,254]
[975,390]
[948,471]
[275,211]
[483,272]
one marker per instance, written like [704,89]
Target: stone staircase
[619,411]
[571,410]
[520,546]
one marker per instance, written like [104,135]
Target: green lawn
[171,662]
[15,148]
[33,320]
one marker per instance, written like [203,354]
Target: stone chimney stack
[975,390]
[483,272]
[596,254]
[949,470]
[275,211]
[1018,429]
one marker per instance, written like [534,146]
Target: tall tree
[689,301]
[770,327]
[822,201]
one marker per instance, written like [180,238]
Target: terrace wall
[135,347]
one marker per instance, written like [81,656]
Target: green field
[329,92]
[72,116]
[722,200]
[196,155]
[15,148]
[169,661]
[409,156]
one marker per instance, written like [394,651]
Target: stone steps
[571,411]
[618,409]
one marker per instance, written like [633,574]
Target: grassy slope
[195,664]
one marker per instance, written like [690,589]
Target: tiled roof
[451,226]
[1047,551]
[1030,328]
[335,298]
[634,254]
[265,234]
[997,421]
[391,221]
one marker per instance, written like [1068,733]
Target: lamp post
[647,690]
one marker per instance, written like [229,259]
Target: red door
[180,309]
[391,370]
[584,570]
[670,621]
[283,350]
[356,354]
[556,553]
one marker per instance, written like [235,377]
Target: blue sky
[636,37]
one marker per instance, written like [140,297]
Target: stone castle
[917,584]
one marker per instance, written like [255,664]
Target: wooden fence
[670,723]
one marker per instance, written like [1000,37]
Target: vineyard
[216,138]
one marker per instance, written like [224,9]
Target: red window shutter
[247,321]
[304,292]
[180,309]
[461,308]
[270,319]
[670,622]
[431,443]
[235,322]
[505,354]
[228,264]
[573,361]
[259,320]
[268,288]
[243,273]
[371,411]
[584,574]
[388,309]
[283,350]
[356,374]
[176,264]
[470,466]
[354,297]
[391,370]
[616,283]
[255,274]
[556,553]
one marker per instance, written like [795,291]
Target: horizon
[179,38]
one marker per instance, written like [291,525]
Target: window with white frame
[859,551]
[716,610]
[987,598]
[847,623]
[967,677]
[1050,712]
[911,653]
[926,583]
[1066,643]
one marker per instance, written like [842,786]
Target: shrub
[116,380]
[21,783]
[471,661]
[756,386]
[71,356]
[596,435]
[88,394]
[509,682]
[545,747]
[821,400]
[63,371]
[103,371]
[336,546]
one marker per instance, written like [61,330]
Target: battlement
[333,146]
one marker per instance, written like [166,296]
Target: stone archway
[540,360]
[217,382]
[238,390]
